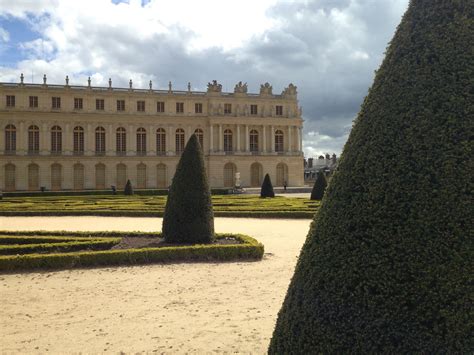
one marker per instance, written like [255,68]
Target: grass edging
[249,249]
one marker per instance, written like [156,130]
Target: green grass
[106,205]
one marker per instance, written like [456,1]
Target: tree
[188,216]
[387,266]
[128,188]
[319,186]
[267,187]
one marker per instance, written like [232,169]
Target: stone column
[189,132]
[109,140]
[211,139]
[68,140]
[150,141]
[298,138]
[170,139]
[131,140]
[221,139]
[247,139]
[21,135]
[264,139]
[45,140]
[272,138]
[238,138]
[290,131]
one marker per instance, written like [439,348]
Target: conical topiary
[267,187]
[319,186]
[188,214]
[128,190]
[388,263]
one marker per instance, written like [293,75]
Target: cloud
[4,35]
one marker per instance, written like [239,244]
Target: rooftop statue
[240,88]
[290,90]
[266,89]
[214,87]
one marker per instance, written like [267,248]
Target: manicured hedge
[43,246]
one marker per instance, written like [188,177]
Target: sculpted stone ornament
[290,90]
[214,87]
[266,89]
[240,88]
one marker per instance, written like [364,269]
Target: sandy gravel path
[172,309]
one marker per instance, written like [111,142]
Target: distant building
[325,163]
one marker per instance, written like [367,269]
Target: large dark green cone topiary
[267,187]
[128,190]
[188,214]
[387,267]
[319,186]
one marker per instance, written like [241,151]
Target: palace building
[67,137]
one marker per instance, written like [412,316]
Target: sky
[328,48]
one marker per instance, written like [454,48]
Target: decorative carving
[266,89]
[290,90]
[21,78]
[214,87]
[240,88]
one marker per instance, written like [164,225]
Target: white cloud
[4,35]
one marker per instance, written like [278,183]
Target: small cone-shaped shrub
[188,216]
[387,267]
[128,188]
[319,186]
[267,187]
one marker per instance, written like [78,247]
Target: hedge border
[70,246]
[249,249]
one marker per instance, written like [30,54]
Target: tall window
[120,105]
[100,176]
[100,141]
[179,107]
[227,108]
[200,136]
[179,140]
[10,179]
[253,140]
[78,140]
[141,176]
[160,141]
[253,109]
[198,107]
[78,176]
[77,103]
[56,140]
[121,141]
[279,110]
[33,101]
[99,104]
[141,141]
[227,140]
[33,177]
[10,100]
[278,141]
[10,139]
[56,176]
[33,140]
[141,106]
[121,175]
[161,181]
[160,106]
[55,102]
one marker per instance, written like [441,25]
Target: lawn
[119,205]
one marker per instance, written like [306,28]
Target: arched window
[141,141]
[253,140]
[33,177]
[160,141]
[33,140]
[161,174]
[141,176]
[229,174]
[100,141]
[256,172]
[121,175]
[100,176]
[78,176]
[10,139]
[56,140]
[121,141]
[10,179]
[227,140]
[179,140]
[281,174]
[78,140]
[200,136]
[56,177]
[278,141]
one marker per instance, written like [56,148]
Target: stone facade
[64,137]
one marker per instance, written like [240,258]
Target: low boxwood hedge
[48,247]
[247,249]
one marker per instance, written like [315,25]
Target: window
[141,141]
[253,109]
[120,105]
[121,175]
[227,140]
[253,140]
[10,100]
[179,107]
[33,177]
[121,141]
[10,172]
[56,140]
[227,109]
[229,175]
[161,181]
[33,101]
[160,106]
[179,140]
[198,107]
[200,136]
[99,104]
[278,141]
[10,139]
[279,110]
[78,176]
[100,141]
[141,106]
[78,140]
[56,176]
[256,172]
[160,141]
[77,103]
[33,140]
[281,174]
[141,176]
[100,176]
[56,102]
